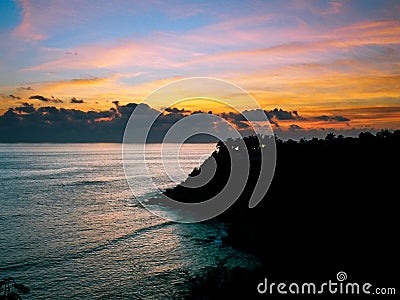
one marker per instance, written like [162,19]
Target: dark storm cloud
[10,96]
[259,115]
[295,127]
[27,123]
[14,97]
[233,116]
[76,101]
[56,100]
[332,118]
[126,110]
[22,88]
[176,110]
[25,108]
[281,114]
[40,98]
[276,116]
[44,99]
[240,120]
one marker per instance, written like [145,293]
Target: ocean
[70,227]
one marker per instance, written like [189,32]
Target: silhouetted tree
[9,289]
[330,137]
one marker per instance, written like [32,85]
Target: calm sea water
[70,227]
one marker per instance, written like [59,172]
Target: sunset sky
[333,59]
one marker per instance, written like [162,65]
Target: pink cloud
[241,31]
[25,29]
[42,18]
[127,54]
[314,6]
[182,52]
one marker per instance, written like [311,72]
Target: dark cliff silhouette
[332,206]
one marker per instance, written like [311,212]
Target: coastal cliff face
[331,206]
